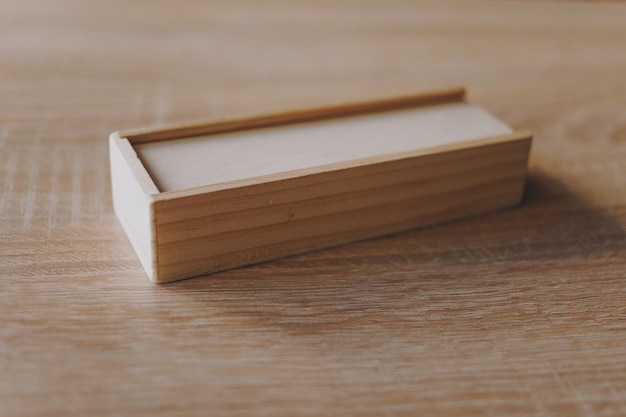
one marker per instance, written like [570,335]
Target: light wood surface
[253,194]
[211,159]
[519,312]
[217,125]
[133,190]
[210,232]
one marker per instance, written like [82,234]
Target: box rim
[301,115]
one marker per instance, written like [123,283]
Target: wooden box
[204,198]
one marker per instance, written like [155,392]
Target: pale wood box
[203,198]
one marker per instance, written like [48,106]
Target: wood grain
[513,313]
[268,220]
[333,111]
[252,195]
[197,161]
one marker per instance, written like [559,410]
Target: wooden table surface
[517,312]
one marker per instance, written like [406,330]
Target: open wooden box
[203,198]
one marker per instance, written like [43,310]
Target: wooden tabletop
[517,312]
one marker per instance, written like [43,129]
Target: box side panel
[221,230]
[132,205]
